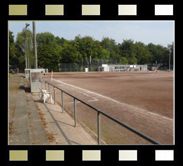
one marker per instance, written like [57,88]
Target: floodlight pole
[26,25]
[25,56]
[35,48]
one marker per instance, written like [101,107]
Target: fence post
[98,128]
[62,102]
[75,111]
[54,95]
[48,87]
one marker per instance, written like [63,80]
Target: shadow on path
[66,138]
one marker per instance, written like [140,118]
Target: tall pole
[25,48]
[26,60]
[26,51]
[27,45]
[35,48]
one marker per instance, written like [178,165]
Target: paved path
[20,129]
[37,123]
[61,125]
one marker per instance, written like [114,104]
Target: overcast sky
[157,32]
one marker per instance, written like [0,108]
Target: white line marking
[85,94]
[114,100]
[94,99]
[73,102]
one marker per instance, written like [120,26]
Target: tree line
[52,50]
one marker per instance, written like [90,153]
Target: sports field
[142,100]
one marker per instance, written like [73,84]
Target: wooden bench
[44,95]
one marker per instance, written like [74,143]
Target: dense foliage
[53,50]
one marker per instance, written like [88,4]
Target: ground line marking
[113,99]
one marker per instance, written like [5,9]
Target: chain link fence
[80,67]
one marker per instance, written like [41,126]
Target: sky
[156,32]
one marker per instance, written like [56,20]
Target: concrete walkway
[20,129]
[43,124]
[61,125]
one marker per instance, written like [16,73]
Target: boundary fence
[91,65]
[98,116]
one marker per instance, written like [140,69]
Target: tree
[49,57]
[60,41]
[86,47]
[170,48]
[70,53]
[124,60]
[12,49]
[111,46]
[21,46]
[53,50]
[49,51]
[143,56]
[46,38]
[127,49]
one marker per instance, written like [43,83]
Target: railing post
[54,95]
[98,128]
[62,102]
[48,87]
[45,85]
[75,111]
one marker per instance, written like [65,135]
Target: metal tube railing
[75,111]
[103,113]
[62,101]
[98,117]
[54,95]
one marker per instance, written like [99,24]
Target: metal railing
[98,115]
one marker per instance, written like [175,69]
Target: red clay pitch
[143,100]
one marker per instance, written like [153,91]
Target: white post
[51,75]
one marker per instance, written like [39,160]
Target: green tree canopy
[53,50]
[111,46]
[49,50]
[127,49]
[46,38]
[143,56]
[12,49]
[70,53]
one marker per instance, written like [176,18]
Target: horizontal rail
[110,117]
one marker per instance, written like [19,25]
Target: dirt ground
[142,100]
